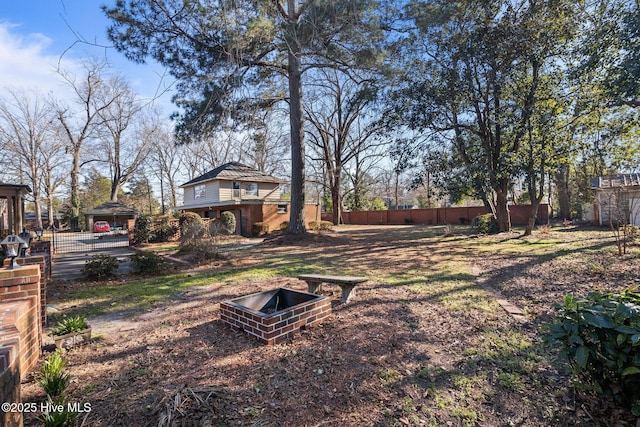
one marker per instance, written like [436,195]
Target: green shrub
[600,338]
[54,382]
[163,231]
[62,418]
[149,263]
[191,227]
[100,266]
[260,228]
[284,225]
[142,230]
[228,220]
[70,324]
[485,224]
[320,225]
[53,379]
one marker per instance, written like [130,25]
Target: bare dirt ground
[403,352]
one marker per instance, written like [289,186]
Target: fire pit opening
[273,316]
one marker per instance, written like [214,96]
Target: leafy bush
[191,227]
[228,220]
[260,228]
[70,324]
[142,230]
[100,266]
[485,224]
[53,379]
[149,263]
[284,225]
[163,231]
[600,338]
[320,225]
[62,418]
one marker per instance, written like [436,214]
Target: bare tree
[125,135]
[210,152]
[26,124]
[80,124]
[266,142]
[166,160]
[341,126]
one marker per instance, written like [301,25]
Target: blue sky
[36,35]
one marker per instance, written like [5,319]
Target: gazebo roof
[112,208]
[10,189]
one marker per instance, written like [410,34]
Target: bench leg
[348,291]
[314,287]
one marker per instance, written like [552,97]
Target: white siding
[225,190]
[211,194]
[269,191]
[222,191]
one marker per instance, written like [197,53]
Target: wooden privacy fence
[435,216]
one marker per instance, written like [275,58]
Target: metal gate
[86,241]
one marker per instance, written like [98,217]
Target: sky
[37,36]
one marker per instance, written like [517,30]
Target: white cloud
[25,64]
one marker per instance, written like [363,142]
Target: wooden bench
[346,283]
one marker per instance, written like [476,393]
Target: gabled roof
[234,172]
[111,208]
[623,180]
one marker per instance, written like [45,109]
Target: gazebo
[12,207]
[116,214]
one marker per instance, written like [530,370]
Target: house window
[236,190]
[282,208]
[252,189]
[199,191]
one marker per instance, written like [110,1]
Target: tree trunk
[296,220]
[337,206]
[38,205]
[533,214]
[562,186]
[114,186]
[75,188]
[50,210]
[502,211]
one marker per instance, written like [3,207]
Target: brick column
[42,248]
[131,224]
[20,333]
[41,261]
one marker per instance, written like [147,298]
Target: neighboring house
[251,195]
[617,199]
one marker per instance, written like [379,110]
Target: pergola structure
[12,207]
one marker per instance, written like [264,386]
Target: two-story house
[251,195]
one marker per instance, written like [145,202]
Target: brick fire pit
[273,316]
